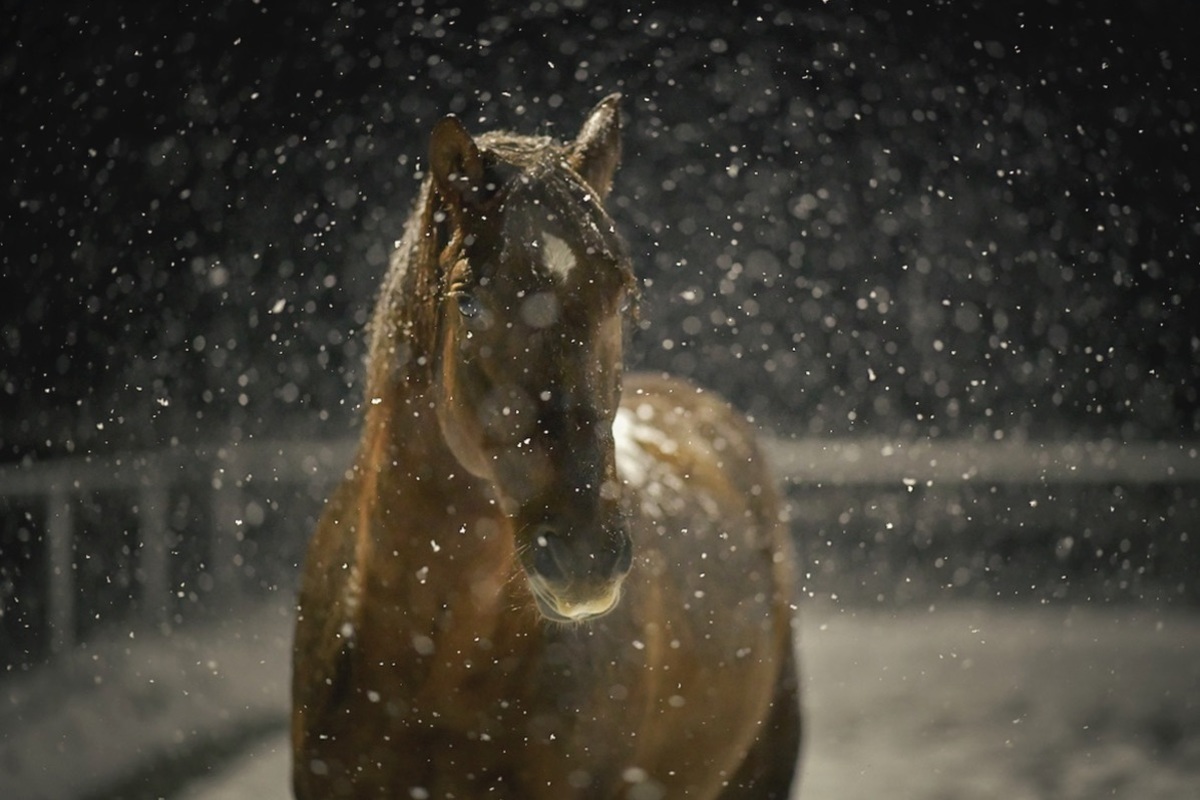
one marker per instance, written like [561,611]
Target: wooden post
[152,572]
[60,568]
[227,512]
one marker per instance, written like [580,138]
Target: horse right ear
[597,149]
[455,163]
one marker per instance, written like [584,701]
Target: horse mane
[403,328]
[405,311]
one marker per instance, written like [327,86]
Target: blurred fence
[160,527]
[164,526]
[897,523]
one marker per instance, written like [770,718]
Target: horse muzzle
[572,581]
[557,609]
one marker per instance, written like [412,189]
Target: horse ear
[597,149]
[455,162]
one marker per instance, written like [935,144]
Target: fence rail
[848,462]
[230,469]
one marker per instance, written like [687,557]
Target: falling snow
[956,228]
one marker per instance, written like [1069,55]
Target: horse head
[527,357]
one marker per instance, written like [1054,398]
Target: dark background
[914,219]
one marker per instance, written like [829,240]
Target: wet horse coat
[540,578]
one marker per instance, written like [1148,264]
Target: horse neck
[434,539]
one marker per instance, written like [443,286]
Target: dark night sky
[934,219]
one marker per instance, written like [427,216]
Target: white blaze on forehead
[557,256]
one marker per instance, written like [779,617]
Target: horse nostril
[546,561]
[624,557]
[556,561]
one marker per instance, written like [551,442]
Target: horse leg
[772,765]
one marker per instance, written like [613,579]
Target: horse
[541,577]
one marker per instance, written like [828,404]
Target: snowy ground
[959,702]
[127,717]
[980,702]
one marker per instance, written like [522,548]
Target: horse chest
[466,712]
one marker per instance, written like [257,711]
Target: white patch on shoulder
[633,463]
[557,256]
[639,447]
[635,428]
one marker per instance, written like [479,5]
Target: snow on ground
[262,772]
[984,702]
[969,701]
[131,716]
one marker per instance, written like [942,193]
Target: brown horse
[536,582]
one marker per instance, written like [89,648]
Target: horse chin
[565,613]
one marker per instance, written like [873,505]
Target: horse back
[683,450]
[710,596]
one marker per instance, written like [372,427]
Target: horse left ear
[597,149]
[455,162]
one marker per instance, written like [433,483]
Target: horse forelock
[540,182]
[540,195]
[555,221]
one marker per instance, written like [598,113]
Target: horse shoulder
[328,613]
[678,438]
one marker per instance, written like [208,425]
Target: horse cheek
[460,425]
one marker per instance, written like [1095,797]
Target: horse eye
[468,306]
